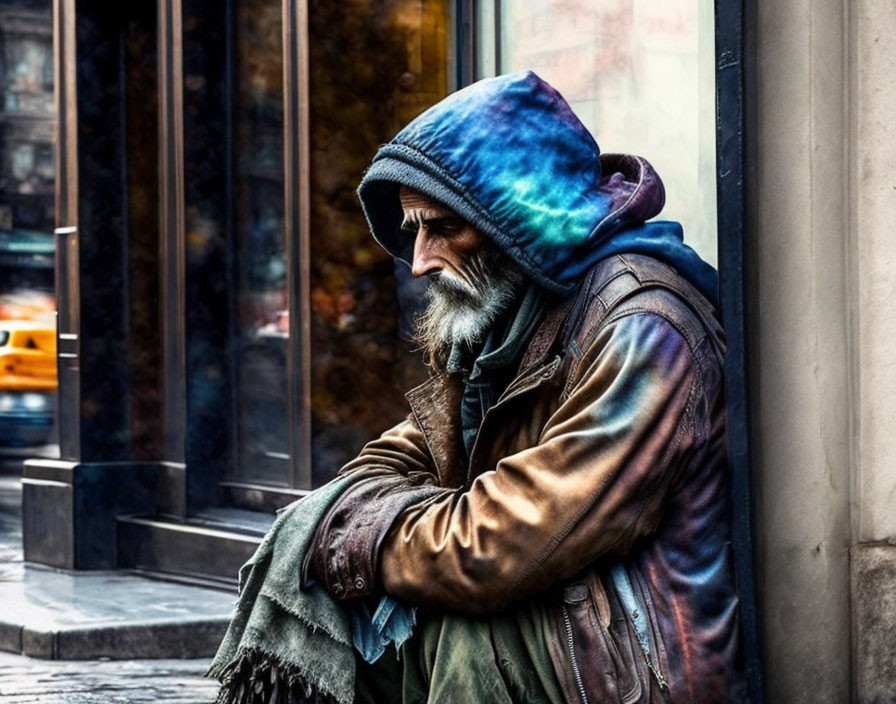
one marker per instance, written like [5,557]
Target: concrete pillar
[801,394]
[872,252]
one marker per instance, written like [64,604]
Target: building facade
[229,334]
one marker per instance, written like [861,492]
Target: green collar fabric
[496,362]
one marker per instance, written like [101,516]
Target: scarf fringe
[255,677]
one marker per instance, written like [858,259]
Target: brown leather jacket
[598,479]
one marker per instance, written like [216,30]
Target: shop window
[640,74]
[261,331]
[318,362]
[373,68]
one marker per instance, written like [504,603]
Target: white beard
[461,310]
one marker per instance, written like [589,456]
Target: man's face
[443,242]
[474,280]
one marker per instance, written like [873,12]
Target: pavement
[25,680]
[99,637]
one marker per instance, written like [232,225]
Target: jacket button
[360,583]
[338,589]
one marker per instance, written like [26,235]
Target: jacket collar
[435,403]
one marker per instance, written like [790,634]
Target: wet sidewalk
[25,680]
[93,634]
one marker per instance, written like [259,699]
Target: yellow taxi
[27,382]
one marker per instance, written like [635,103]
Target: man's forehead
[416,204]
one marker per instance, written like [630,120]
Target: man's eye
[446,228]
[437,227]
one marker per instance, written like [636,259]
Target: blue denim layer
[392,622]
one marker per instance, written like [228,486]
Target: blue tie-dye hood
[508,155]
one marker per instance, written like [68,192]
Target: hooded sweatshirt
[508,155]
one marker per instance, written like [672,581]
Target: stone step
[70,615]
[84,615]
[209,546]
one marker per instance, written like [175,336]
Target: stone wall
[824,348]
[872,260]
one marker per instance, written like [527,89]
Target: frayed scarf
[287,644]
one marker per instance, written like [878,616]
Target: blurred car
[28,304]
[28,382]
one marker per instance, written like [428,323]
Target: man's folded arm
[596,481]
[400,450]
[391,474]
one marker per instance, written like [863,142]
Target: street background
[24,680]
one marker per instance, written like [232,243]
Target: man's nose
[426,259]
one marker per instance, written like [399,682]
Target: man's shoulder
[632,284]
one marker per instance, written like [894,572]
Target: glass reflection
[259,251]
[28,378]
[374,66]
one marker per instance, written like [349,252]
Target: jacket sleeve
[594,483]
[393,472]
[400,450]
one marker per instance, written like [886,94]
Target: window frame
[735,82]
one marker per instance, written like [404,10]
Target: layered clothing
[597,488]
[593,486]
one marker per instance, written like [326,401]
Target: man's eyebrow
[443,220]
[432,222]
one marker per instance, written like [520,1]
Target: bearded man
[555,505]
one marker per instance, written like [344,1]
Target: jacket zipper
[570,645]
[638,619]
